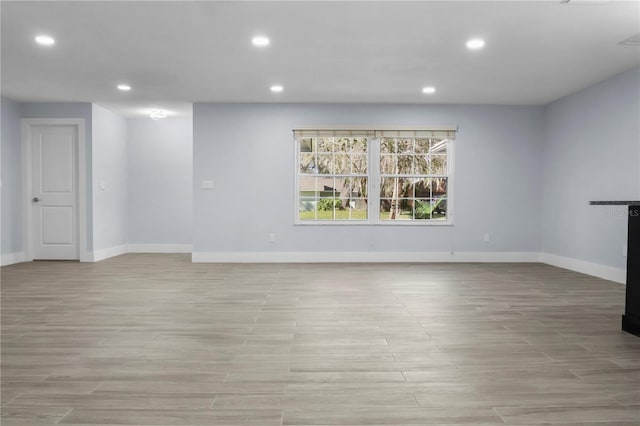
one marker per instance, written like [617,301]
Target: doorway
[54,176]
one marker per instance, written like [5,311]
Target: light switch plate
[206,184]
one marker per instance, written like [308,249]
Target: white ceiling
[175,53]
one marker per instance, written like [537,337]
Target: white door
[54,191]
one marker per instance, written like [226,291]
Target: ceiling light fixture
[260,41]
[276,88]
[475,44]
[124,87]
[428,90]
[45,40]
[157,114]
[634,40]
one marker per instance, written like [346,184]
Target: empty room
[320,213]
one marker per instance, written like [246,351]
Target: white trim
[363,257]
[593,269]
[11,258]
[159,248]
[357,127]
[106,253]
[79,123]
[82,189]
[26,189]
[381,222]
[589,268]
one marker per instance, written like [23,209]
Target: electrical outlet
[486,238]
[272,237]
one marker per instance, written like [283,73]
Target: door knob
[35,199]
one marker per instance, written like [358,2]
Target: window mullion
[373,205]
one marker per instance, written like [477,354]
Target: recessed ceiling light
[157,114]
[45,40]
[124,87]
[276,88]
[475,43]
[260,41]
[428,90]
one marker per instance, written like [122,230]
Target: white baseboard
[102,254]
[160,248]
[594,269]
[11,258]
[589,268]
[362,257]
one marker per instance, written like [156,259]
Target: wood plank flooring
[156,340]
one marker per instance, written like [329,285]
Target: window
[332,178]
[374,176]
[413,179]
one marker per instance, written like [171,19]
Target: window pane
[422,146]
[438,146]
[423,187]
[324,144]
[439,187]
[359,145]
[405,146]
[439,209]
[307,208]
[438,164]
[308,163]
[358,163]
[325,187]
[307,145]
[388,146]
[421,164]
[396,209]
[342,145]
[324,215]
[341,164]
[422,209]
[405,164]
[324,163]
[358,209]
[385,209]
[396,187]
[356,187]
[387,164]
[307,186]
[327,207]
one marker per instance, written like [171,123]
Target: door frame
[27,184]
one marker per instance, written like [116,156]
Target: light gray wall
[160,180]
[591,152]
[110,209]
[248,152]
[11,153]
[69,110]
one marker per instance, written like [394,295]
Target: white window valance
[436,132]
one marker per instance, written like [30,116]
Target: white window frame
[373,180]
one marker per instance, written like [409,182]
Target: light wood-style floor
[156,340]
